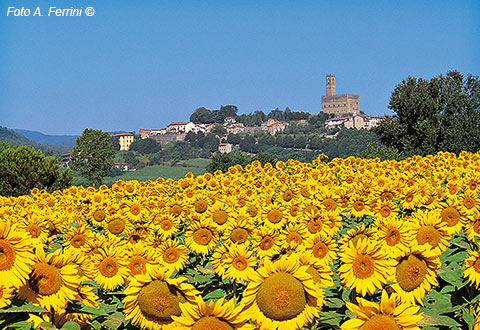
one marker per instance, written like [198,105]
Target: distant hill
[15,138]
[61,140]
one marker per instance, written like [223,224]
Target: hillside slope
[61,140]
[15,138]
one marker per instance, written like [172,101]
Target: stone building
[339,104]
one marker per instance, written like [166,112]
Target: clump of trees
[204,116]
[223,161]
[440,114]
[22,169]
[93,155]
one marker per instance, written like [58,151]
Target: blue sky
[144,64]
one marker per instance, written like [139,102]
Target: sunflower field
[347,244]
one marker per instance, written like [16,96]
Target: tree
[93,155]
[202,116]
[146,146]
[375,150]
[115,142]
[440,114]
[23,168]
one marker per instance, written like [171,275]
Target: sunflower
[134,210]
[238,231]
[151,301]
[238,263]
[384,211]
[215,315]
[322,249]
[141,259]
[16,257]
[267,242]
[173,255]
[53,281]
[36,228]
[428,228]
[469,203]
[359,206]
[452,217]
[219,215]
[357,234]
[388,315]
[165,224]
[76,237]
[472,268]
[118,226]
[293,237]
[274,216]
[108,267]
[365,267]
[395,237]
[282,295]
[415,274]
[201,238]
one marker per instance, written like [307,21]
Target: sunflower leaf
[70,325]
[437,320]
[115,320]
[27,308]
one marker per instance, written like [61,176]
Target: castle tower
[331,89]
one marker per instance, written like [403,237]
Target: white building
[180,127]
[225,148]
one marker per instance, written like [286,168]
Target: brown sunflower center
[201,206]
[287,195]
[329,204]
[99,215]
[109,267]
[176,210]
[7,255]
[314,226]
[45,279]
[393,236]
[428,234]
[135,210]
[34,230]
[137,265]
[386,196]
[451,216]
[385,211]
[411,272]
[211,323]
[281,297]
[239,235]
[171,255]
[381,322]
[78,241]
[166,225]
[240,263]
[274,215]
[266,243]
[320,250]
[358,206]
[220,217]
[116,226]
[202,236]
[363,266]
[294,237]
[469,202]
[159,301]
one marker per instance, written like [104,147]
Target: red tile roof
[179,123]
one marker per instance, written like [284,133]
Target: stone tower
[331,89]
[339,104]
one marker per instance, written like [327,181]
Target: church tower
[331,89]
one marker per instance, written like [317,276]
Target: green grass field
[153,172]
